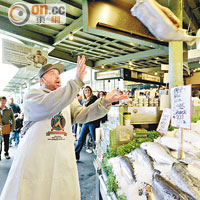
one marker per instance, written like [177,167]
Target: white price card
[181,106]
[164,121]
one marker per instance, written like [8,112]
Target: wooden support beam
[73,27]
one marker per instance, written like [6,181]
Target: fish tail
[190,43]
[182,162]
[156,171]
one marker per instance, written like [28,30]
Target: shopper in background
[6,118]
[88,99]
[75,126]
[15,108]
[1,138]
[17,129]
[196,93]
[102,94]
[44,166]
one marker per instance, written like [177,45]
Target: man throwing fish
[44,167]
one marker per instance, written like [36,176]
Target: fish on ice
[184,180]
[142,157]
[191,137]
[158,152]
[173,142]
[165,190]
[127,169]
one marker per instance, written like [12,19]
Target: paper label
[181,106]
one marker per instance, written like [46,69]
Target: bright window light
[7,71]
[70,74]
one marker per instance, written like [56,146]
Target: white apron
[44,169]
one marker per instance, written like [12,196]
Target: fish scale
[127,169]
[165,190]
[142,157]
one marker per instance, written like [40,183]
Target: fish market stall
[116,140]
[141,164]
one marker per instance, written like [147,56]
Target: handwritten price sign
[181,106]
[164,121]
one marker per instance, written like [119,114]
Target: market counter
[101,188]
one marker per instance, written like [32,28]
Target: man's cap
[48,67]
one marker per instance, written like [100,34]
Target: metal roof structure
[109,48]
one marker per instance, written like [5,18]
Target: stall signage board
[22,55]
[108,74]
[164,67]
[166,78]
[164,121]
[134,74]
[149,77]
[181,106]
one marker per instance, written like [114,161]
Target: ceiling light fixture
[130,62]
[103,66]
[71,36]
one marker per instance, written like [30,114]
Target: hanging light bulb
[130,62]
[71,36]
[102,66]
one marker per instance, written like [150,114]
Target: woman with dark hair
[88,99]
[101,94]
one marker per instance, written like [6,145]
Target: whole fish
[191,137]
[161,22]
[165,190]
[196,127]
[172,143]
[142,157]
[158,152]
[184,180]
[127,169]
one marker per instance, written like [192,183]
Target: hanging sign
[164,121]
[181,106]
[150,77]
[108,74]
[22,55]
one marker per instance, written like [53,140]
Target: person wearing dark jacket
[7,117]
[15,108]
[88,99]
[17,129]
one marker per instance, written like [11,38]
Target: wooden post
[180,145]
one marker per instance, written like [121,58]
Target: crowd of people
[11,122]
[84,133]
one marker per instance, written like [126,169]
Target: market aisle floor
[85,169]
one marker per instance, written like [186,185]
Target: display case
[139,115]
